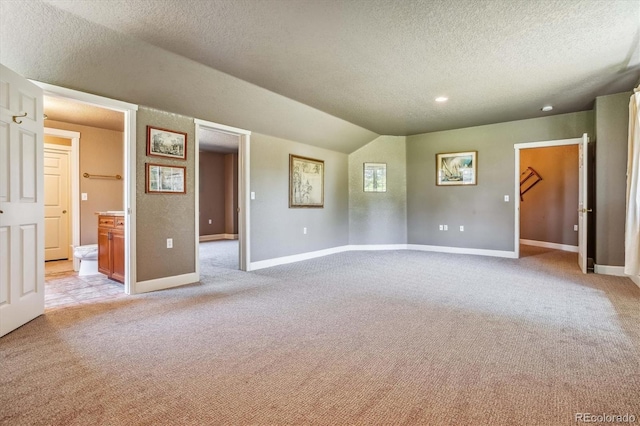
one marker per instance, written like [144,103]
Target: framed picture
[166,143]
[375,177]
[457,168]
[165,179]
[306,182]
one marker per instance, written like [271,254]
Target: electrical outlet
[461,228]
[446,227]
[575,227]
[441,227]
[85,196]
[506,198]
[304,230]
[169,242]
[209,221]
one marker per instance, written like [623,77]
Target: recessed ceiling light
[442,99]
[547,108]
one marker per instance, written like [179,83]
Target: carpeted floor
[217,255]
[357,338]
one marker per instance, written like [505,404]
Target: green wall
[379,217]
[276,229]
[612,129]
[488,220]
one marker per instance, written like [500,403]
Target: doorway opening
[222,192]
[218,191]
[551,196]
[107,129]
[83,168]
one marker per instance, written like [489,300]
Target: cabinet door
[117,253]
[104,251]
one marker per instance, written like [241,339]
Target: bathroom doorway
[83,169]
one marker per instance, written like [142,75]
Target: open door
[583,205]
[21,201]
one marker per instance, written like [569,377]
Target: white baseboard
[166,282]
[216,237]
[609,270]
[370,247]
[555,246]
[373,247]
[462,250]
[296,258]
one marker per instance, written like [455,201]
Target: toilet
[88,257]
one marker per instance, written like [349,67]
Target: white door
[21,201]
[56,203]
[583,206]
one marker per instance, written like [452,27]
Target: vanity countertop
[111,213]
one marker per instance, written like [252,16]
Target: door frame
[129,111]
[528,145]
[244,202]
[74,172]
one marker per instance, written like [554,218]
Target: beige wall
[101,152]
[549,210]
[162,216]
[54,140]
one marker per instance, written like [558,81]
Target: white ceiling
[65,110]
[380,63]
[331,73]
[217,141]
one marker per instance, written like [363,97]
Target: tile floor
[64,288]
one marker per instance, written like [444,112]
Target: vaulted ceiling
[365,67]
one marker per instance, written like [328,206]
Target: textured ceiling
[216,141]
[331,73]
[380,63]
[60,109]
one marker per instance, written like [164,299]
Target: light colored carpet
[216,255]
[358,338]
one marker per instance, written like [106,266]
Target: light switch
[85,196]
[253,195]
[506,198]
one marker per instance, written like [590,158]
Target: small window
[375,177]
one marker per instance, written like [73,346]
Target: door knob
[64,211]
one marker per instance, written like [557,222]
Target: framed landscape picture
[166,143]
[375,177]
[457,168]
[165,179]
[306,182]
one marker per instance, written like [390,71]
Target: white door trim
[129,111]
[516,196]
[244,203]
[74,168]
